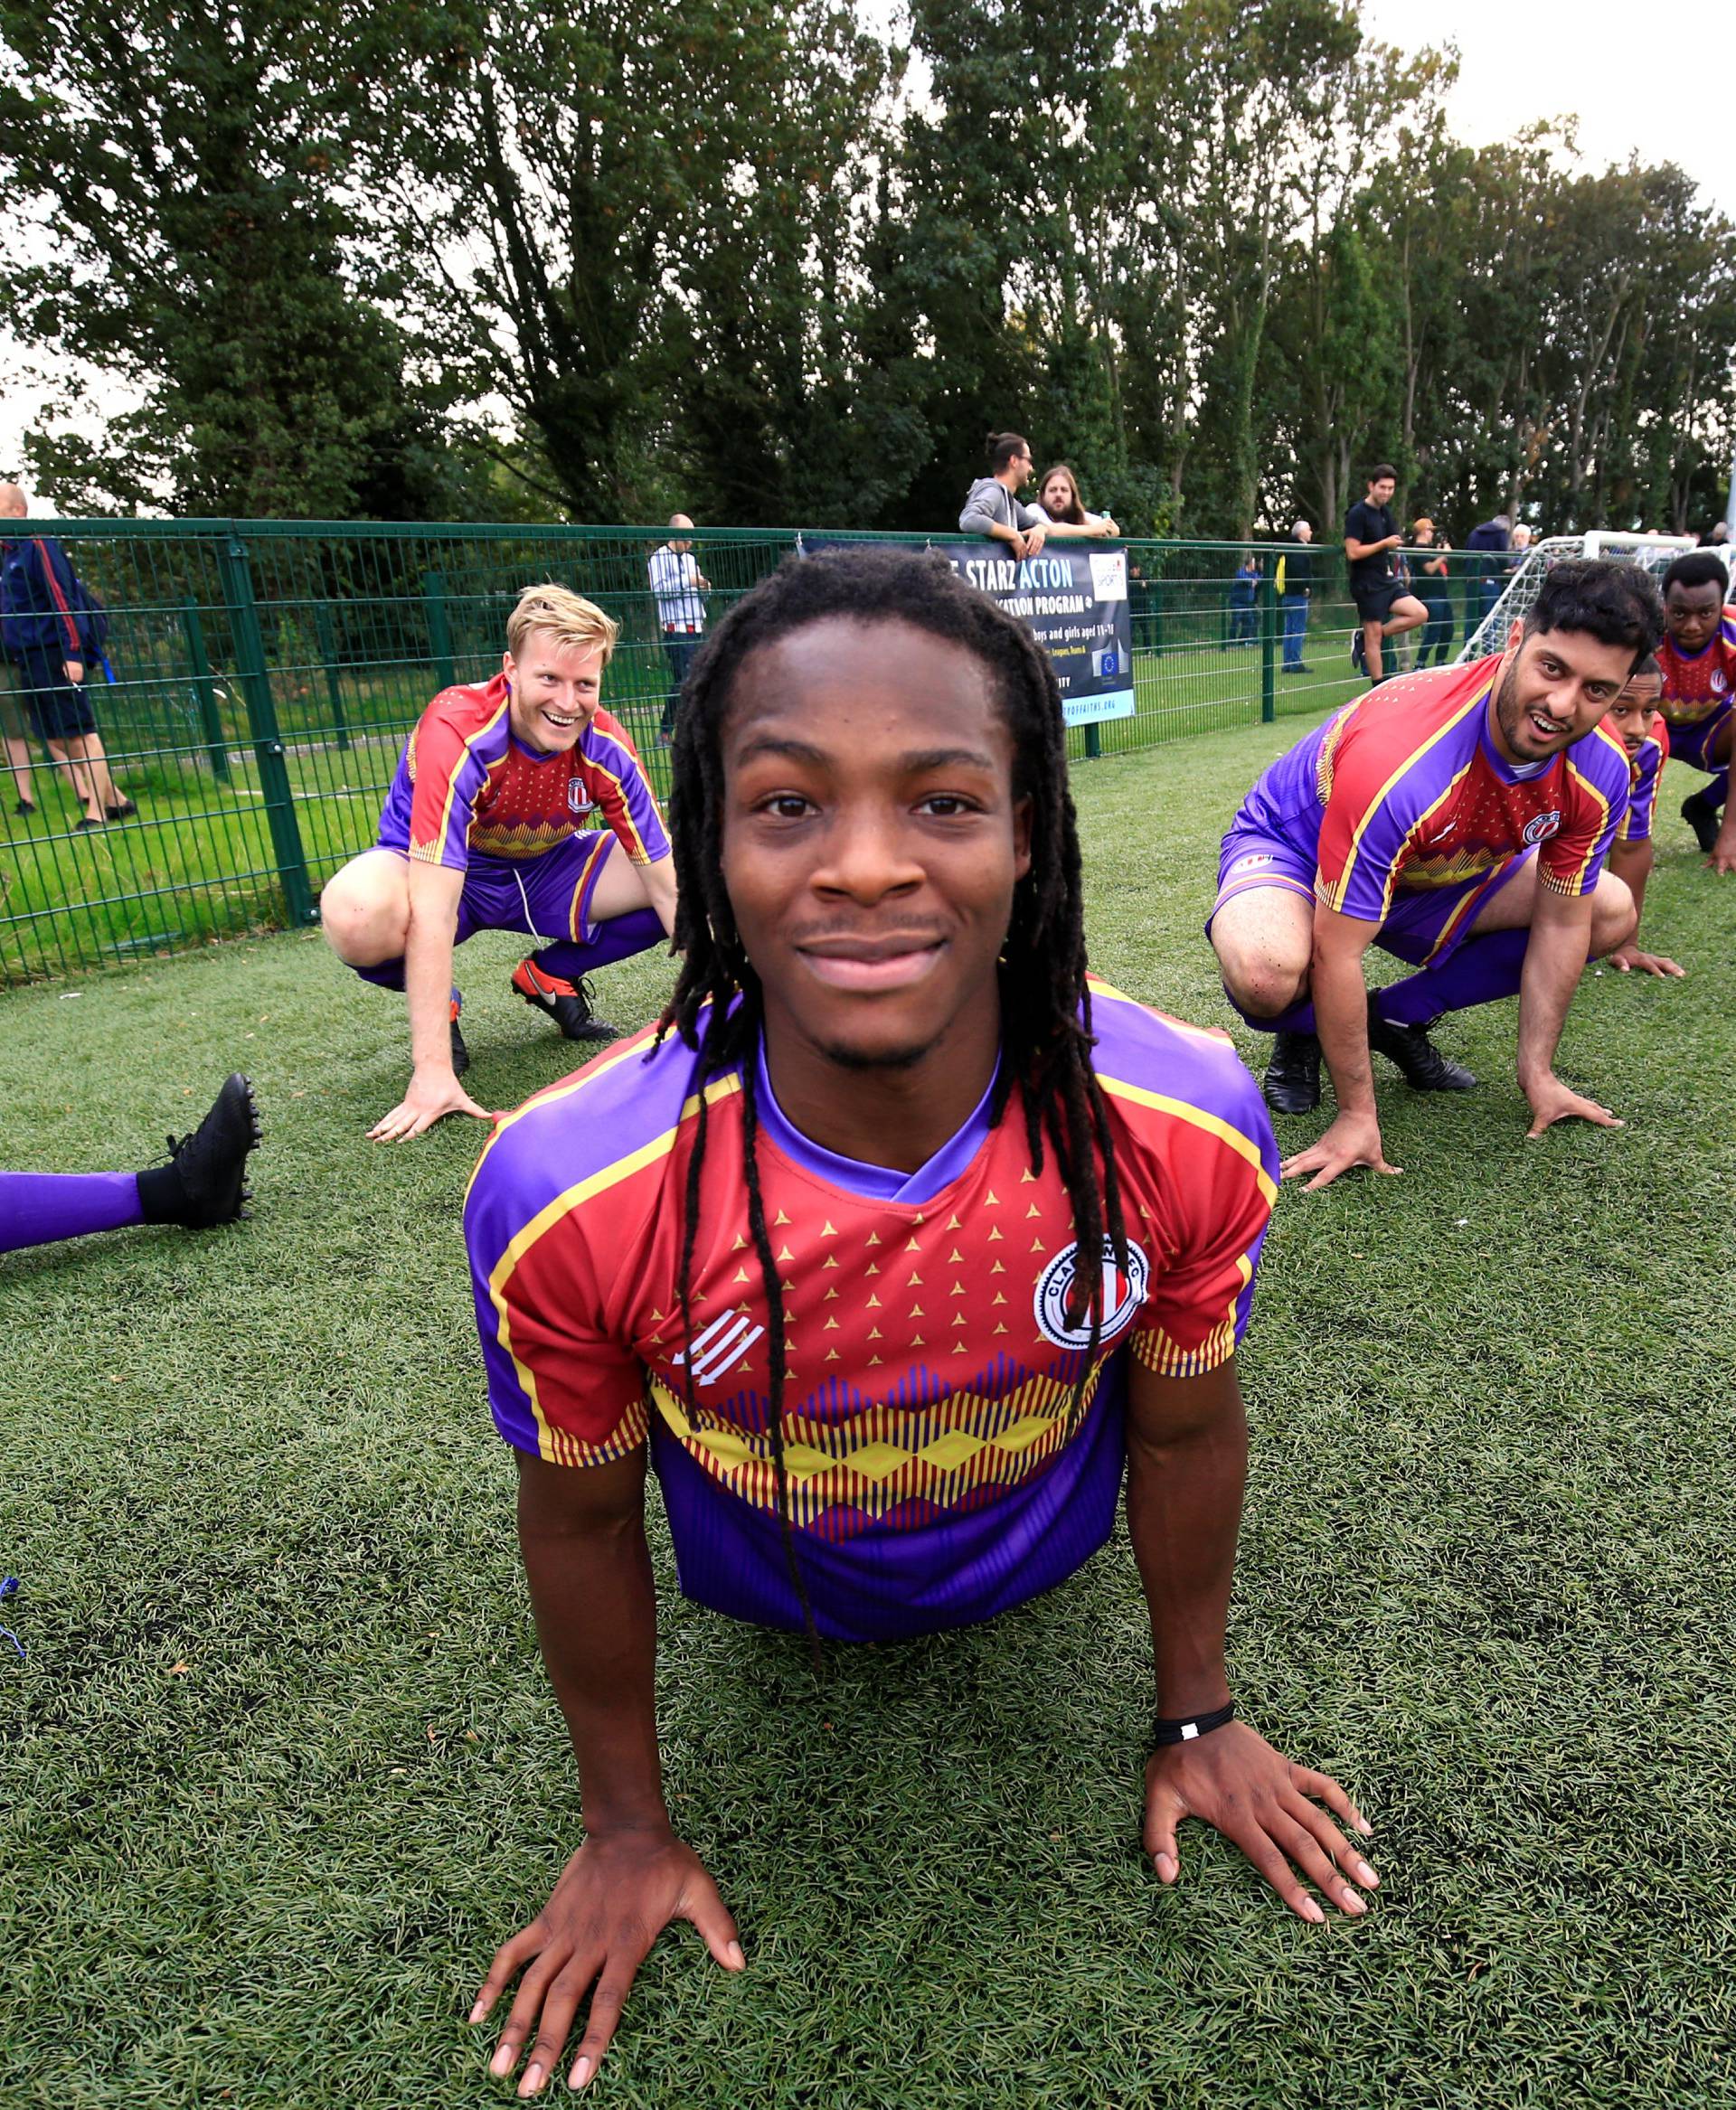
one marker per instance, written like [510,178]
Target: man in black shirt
[1385,608]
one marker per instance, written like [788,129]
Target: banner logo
[1123,1293]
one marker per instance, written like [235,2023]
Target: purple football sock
[383,973]
[1482,971]
[618,939]
[37,1207]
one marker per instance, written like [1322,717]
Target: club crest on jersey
[1718,681]
[1540,827]
[1124,1291]
[577,802]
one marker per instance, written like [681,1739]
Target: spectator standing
[1244,587]
[17,739]
[1490,539]
[1431,578]
[1386,607]
[991,505]
[51,628]
[677,585]
[1295,590]
[1060,507]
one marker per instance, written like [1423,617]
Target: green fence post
[1093,743]
[328,655]
[262,724]
[439,631]
[1267,602]
[205,689]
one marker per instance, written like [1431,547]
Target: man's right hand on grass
[1353,1139]
[432,1096]
[614,1898]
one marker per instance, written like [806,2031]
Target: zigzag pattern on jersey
[518,839]
[1690,693]
[853,1462]
[1420,873]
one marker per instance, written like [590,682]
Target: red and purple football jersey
[1405,792]
[467,785]
[1698,690]
[1645,773]
[944,1461]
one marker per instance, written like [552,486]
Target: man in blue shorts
[486,827]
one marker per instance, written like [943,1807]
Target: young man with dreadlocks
[817,1243]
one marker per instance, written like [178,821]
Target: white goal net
[1656,552]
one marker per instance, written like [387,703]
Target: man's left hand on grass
[1627,959]
[1722,855]
[1233,1780]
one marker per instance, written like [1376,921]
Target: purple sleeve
[617,783]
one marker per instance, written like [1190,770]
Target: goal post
[1656,552]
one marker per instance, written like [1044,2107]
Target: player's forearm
[659,881]
[427,985]
[1632,864]
[1185,1493]
[1341,1023]
[595,1601]
[1554,961]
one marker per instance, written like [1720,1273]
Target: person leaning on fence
[1295,592]
[677,584]
[53,627]
[1431,578]
[487,827]
[1490,539]
[1062,512]
[991,505]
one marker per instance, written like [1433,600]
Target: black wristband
[1192,1726]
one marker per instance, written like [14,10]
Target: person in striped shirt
[1460,819]
[488,826]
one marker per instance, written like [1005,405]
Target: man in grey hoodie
[992,507]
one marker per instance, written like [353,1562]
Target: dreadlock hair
[1045,1007]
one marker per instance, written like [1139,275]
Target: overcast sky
[1653,81]
[1648,81]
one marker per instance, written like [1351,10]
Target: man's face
[1304,533]
[1691,613]
[1559,684]
[555,691]
[1025,466]
[871,838]
[1631,714]
[1057,495]
[1381,494]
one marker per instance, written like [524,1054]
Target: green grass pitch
[281,1767]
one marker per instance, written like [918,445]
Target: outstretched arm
[1340,1019]
[1187,1458]
[1555,956]
[1632,864]
[581,1532]
[434,1089]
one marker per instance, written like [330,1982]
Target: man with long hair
[895,1244]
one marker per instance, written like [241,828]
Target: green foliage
[768,265]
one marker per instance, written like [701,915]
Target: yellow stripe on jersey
[636,849]
[556,1212]
[1335,893]
[1168,1358]
[1244,1146]
[1574,884]
[439,852]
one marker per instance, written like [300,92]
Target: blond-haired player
[488,826]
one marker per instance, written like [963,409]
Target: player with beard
[1698,661]
[1460,820]
[816,1244]
[487,827]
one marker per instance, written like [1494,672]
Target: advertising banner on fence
[1075,600]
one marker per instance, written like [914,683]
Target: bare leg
[1264,940]
[364,909]
[1405,614]
[88,750]
[18,761]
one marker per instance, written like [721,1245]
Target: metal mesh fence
[261,678]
